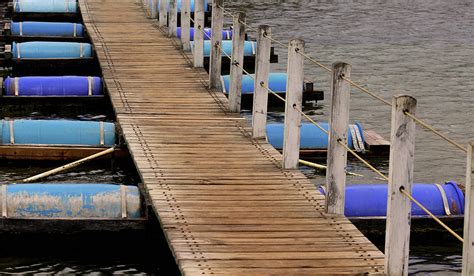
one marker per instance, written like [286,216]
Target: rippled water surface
[424,48]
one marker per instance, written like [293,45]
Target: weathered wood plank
[225,204]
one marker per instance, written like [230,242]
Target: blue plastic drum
[226,34]
[370,200]
[51,50]
[312,137]
[276,82]
[45,6]
[53,86]
[250,48]
[53,29]
[57,132]
[69,200]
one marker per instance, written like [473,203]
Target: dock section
[223,201]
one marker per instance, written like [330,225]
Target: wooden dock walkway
[224,203]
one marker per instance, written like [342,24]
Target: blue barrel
[370,200]
[206,9]
[57,132]
[312,137]
[45,6]
[56,29]
[226,34]
[276,82]
[250,48]
[51,50]
[53,86]
[79,201]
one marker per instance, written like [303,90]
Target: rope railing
[359,87]
[352,152]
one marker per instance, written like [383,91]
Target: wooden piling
[260,94]
[185,24]
[215,61]
[337,153]
[402,153]
[294,98]
[153,9]
[163,14]
[468,245]
[198,50]
[238,39]
[173,18]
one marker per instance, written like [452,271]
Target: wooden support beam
[337,153]
[294,99]
[215,62]
[173,18]
[468,246]
[185,24]
[402,155]
[260,95]
[163,14]
[198,50]
[238,39]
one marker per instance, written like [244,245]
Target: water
[422,48]
[95,253]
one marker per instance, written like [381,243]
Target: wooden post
[260,94]
[468,245]
[173,25]
[238,39]
[154,7]
[337,153]
[185,24]
[163,15]
[402,155]
[215,61]
[294,99]
[198,33]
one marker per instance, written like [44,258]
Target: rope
[402,190]
[373,95]
[322,167]
[314,61]
[383,176]
[427,126]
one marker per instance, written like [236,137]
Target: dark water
[423,48]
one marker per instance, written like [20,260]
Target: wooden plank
[224,203]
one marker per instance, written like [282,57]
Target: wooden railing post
[198,33]
[185,24]
[468,245]
[294,99]
[173,18]
[215,60]
[238,39]
[260,94]
[153,8]
[163,15]
[337,131]
[402,155]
